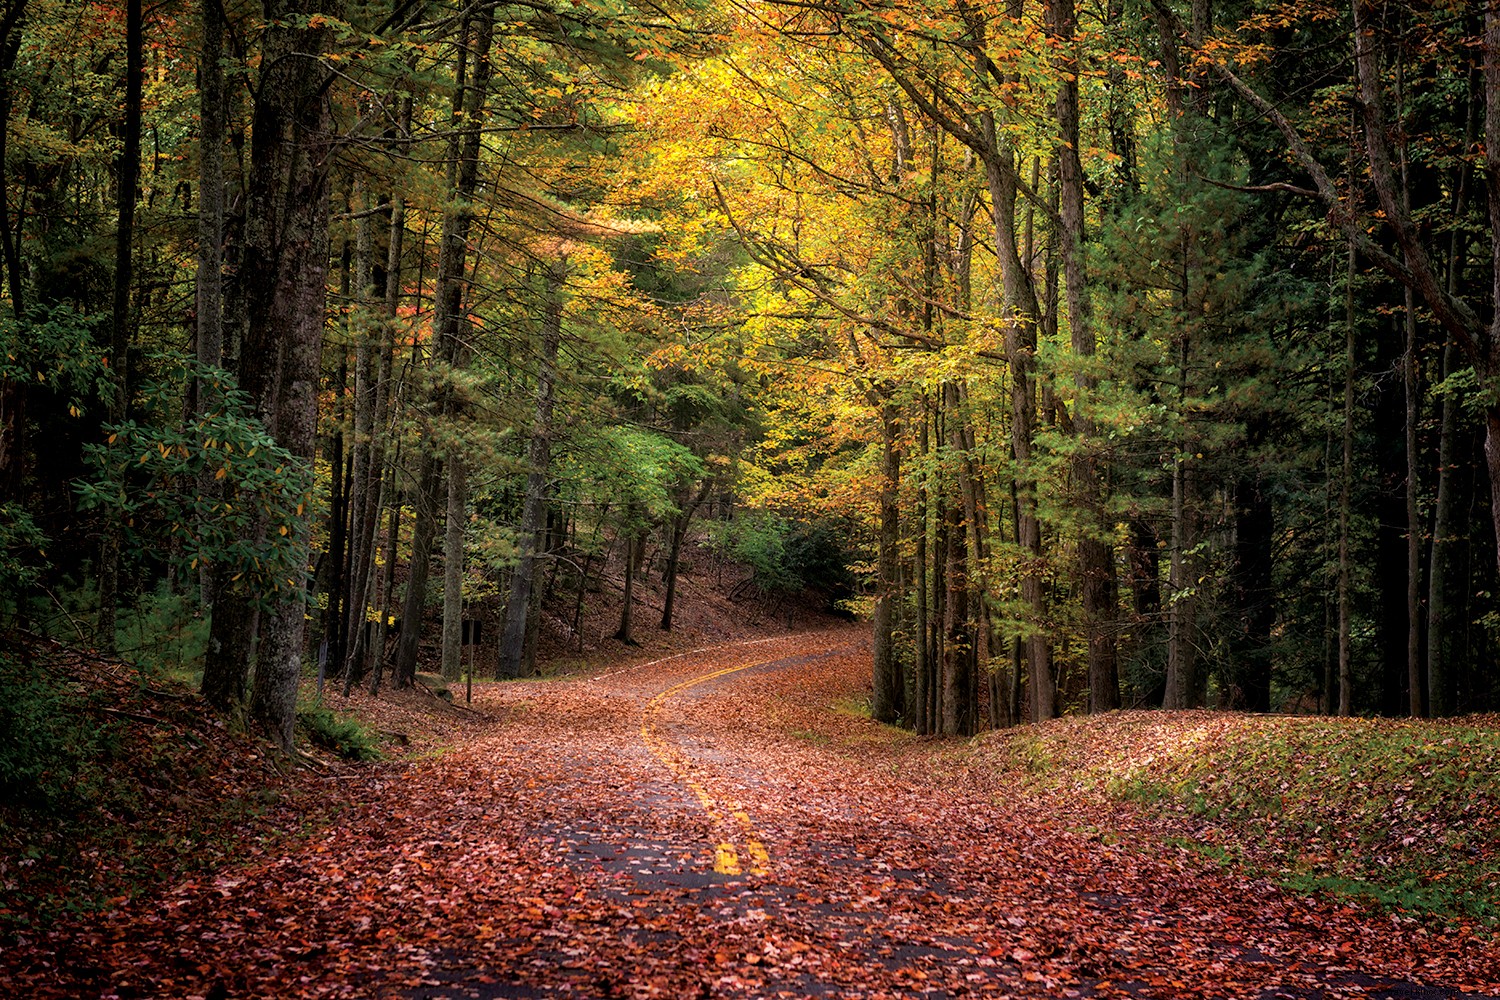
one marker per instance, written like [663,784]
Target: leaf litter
[551,853]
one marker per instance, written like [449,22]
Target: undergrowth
[341,733]
[113,780]
[1402,814]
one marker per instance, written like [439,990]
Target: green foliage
[633,474]
[23,554]
[164,634]
[786,556]
[50,753]
[54,347]
[343,734]
[147,475]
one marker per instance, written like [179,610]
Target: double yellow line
[726,857]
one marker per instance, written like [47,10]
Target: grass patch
[1402,814]
[854,705]
[340,733]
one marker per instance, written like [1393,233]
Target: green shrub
[342,734]
[164,635]
[49,747]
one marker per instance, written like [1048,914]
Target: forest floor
[727,822]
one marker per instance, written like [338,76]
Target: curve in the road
[727,859]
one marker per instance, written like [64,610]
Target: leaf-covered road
[711,825]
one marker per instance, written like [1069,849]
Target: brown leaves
[552,853]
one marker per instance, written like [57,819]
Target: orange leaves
[546,854]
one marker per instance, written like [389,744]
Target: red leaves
[553,852]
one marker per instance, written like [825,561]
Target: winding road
[726,823]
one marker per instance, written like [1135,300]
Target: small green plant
[342,734]
[49,749]
[164,635]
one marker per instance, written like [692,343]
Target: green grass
[343,734]
[1404,815]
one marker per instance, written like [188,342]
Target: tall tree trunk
[127,174]
[1491,61]
[1182,649]
[977,525]
[283,274]
[1020,318]
[1439,564]
[633,545]
[209,304]
[1439,557]
[924,723]
[468,113]
[424,532]
[888,697]
[362,481]
[1412,391]
[674,554]
[453,567]
[1254,592]
[388,572]
[1346,656]
[538,459]
[1096,563]
[364,587]
[956,713]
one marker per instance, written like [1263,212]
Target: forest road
[726,823]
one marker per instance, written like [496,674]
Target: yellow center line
[726,856]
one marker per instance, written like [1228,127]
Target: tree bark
[282,276]
[209,303]
[956,715]
[468,111]
[674,553]
[453,567]
[1345,611]
[633,545]
[1096,562]
[1182,651]
[923,717]
[888,697]
[538,460]
[127,174]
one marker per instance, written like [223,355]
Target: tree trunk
[632,546]
[1346,659]
[1412,391]
[538,459]
[1254,592]
[1439,564]
[209,304]
[888,696]
[956,716]
[924,723]
[408,642]
[283,274]
[362,479]
[468,112]
[1491,368]
[674,554]
[127,173]
[1095,556]
[1182,651]
[366,541]
[1020,315]
[453,568]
